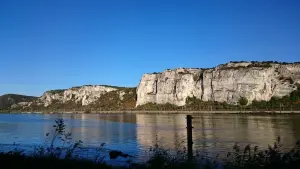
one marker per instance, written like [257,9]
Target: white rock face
[171,86]
[83,95]
[121,95]
[226,83]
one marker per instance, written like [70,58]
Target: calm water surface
[135,133]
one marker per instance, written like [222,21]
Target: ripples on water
[136,133]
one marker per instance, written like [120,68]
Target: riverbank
[159,112]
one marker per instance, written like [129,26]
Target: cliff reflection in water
[217,133]
[135,133]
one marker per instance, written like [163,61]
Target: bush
[243,101]
[58,91]
[87,111]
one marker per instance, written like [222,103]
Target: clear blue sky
[50,44]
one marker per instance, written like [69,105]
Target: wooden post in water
[189,128]
[280,107]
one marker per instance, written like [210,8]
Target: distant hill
[9,99]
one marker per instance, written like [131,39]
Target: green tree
[243,101]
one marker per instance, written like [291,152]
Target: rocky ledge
[224,83]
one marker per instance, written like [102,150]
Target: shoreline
[154,112]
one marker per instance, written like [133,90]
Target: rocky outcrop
[83,95]
[225,83]
[88,96]
[8,100]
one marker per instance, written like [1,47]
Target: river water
[136,133]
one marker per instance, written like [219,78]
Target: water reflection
[217,133]
[135,133]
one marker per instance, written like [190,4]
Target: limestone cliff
[225,83]
[100,97]
[82,95]
[79,96]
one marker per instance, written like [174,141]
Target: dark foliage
[243,101]
[57,91]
